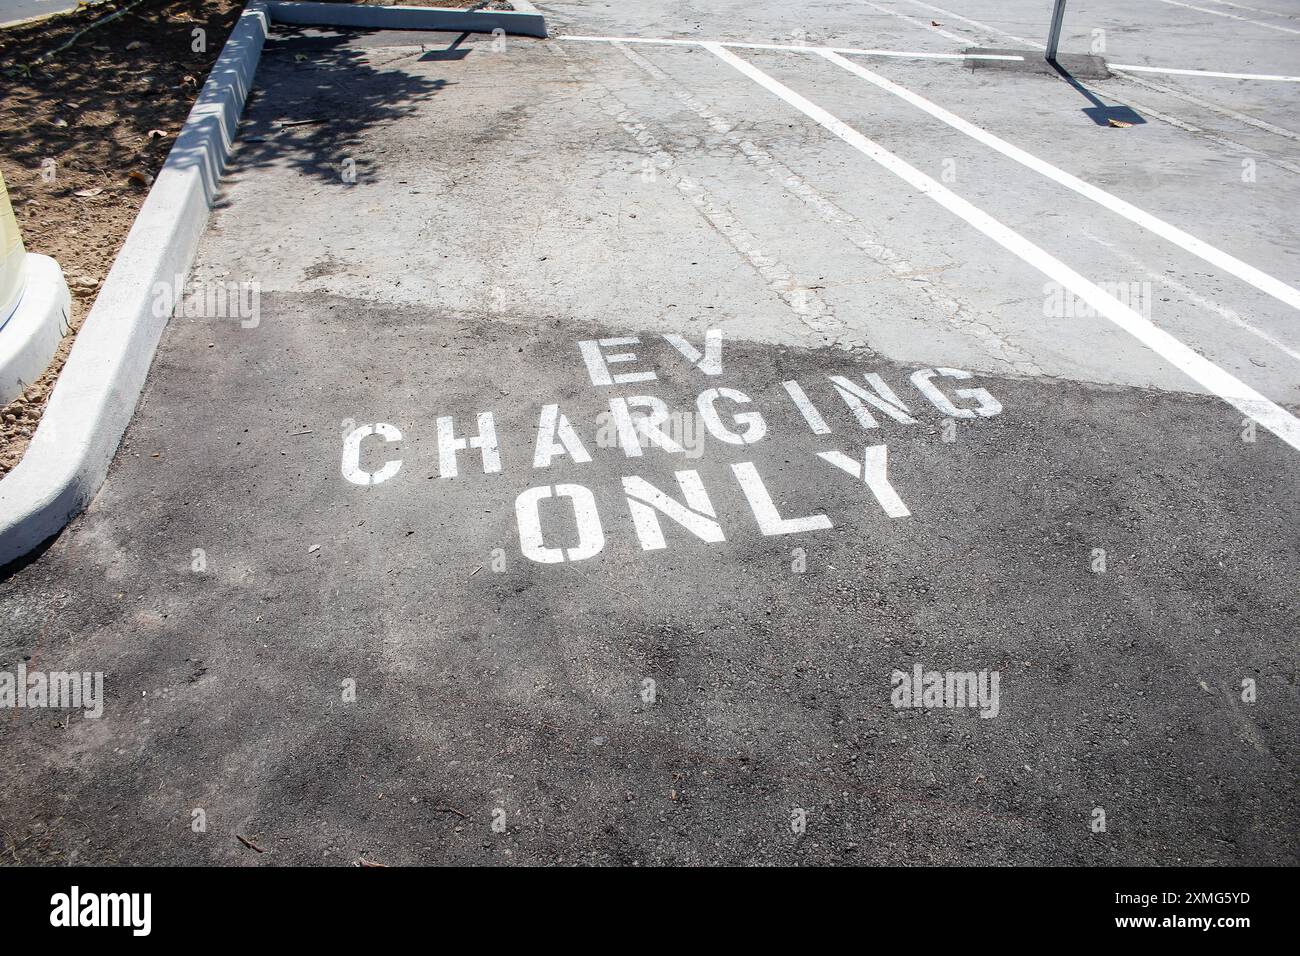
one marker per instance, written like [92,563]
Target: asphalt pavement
[594,450]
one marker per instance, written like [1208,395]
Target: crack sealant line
[804,302]
[797,48]
[961,315]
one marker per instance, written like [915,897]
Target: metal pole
[1054,35]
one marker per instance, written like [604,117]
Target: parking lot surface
[610,430]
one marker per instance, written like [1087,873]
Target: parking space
[620,425]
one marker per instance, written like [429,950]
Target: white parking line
[1232,390]
[1221,110]
[806,304]
[1214,73]
[1125,98]
[1231,16]
[911,55]
[958,313]
[1242,6]
[916,54]
[1146,110]
[1185,241]
[1228,315]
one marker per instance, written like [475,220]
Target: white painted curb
[366,17]
[97,392]
[31,336]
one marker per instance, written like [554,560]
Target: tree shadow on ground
[108,105]
[319,91]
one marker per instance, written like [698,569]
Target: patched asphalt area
[519,694]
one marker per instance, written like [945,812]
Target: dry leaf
[143,178]
[1119,124]
[87,193]
[249,843]
[158,134]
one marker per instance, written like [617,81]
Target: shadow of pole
[1099,112]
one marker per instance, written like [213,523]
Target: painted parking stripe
[857,51]
[957,312]
[1253,9]
[1228,315]
[1132,68]
[917,54]
[1223,384]
[1242,6]
[1214,256]
[1231,16]
[1212,107]
[1197,101]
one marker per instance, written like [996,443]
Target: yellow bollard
[34,307]
[12,251]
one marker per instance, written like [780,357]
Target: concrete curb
[39,17]
[367,17]
[97,392]
[31,336]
